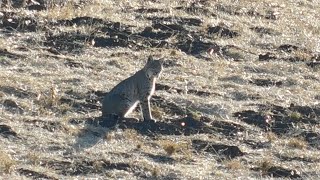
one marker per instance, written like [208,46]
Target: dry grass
[6,163]
[272,137]
[234,164]
[171,147]
[54,138]
[265,165]
[297,143]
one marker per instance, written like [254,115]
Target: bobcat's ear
[150,58]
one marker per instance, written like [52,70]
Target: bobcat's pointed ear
[150,58]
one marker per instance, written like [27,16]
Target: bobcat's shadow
[181,126]
[90,134]
[93,131]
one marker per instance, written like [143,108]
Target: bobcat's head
[153,67]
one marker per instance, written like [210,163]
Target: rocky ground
[238,98]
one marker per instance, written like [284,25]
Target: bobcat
[124,97]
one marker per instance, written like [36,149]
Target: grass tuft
[265,165]
[298,143]
[233,164]
[6,163]
[296,116]
[170,148]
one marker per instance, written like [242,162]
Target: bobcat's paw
[152,121]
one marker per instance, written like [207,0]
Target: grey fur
[138,88]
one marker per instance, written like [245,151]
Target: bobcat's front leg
[145,107]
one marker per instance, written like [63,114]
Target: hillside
[239,97]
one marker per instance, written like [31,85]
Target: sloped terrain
[238,98]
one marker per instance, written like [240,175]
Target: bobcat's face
[154,67]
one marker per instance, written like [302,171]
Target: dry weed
[297,143]
[234,164]
[6,163]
